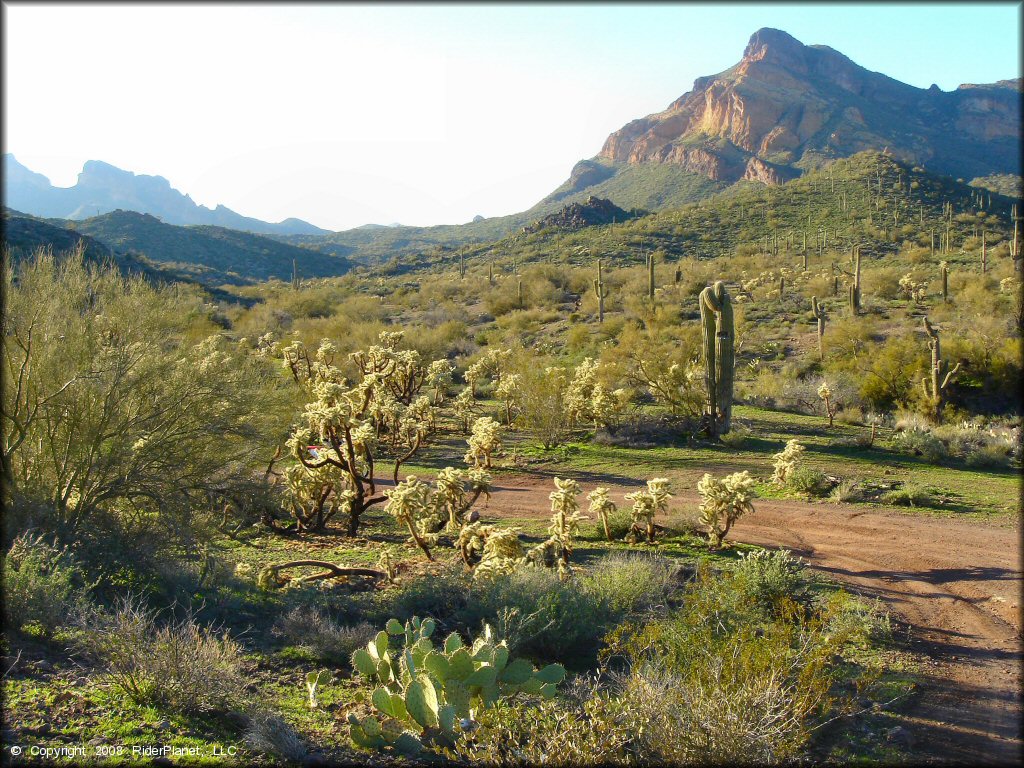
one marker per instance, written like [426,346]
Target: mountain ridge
[102,188]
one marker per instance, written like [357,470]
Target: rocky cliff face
[787,106]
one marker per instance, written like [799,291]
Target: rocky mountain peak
[786,106]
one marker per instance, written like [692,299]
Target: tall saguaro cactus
[602,293]
[855,288]
[940,373]
[519,294]
[462,265]
[944,276]
[818,310]
[650,275]
[295,275]
[984,252]
[719,356]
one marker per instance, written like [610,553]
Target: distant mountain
[102,188]
[210,255]
[23,235]
[787,107]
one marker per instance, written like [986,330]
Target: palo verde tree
[112,416]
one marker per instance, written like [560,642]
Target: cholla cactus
[343,426]
[786,461]
[484,443]
[465,407]
[439,377]
[724,502]
[450,499]
[825,393]
[602,506]
[491,364]
[501,552]
[646,504]
[565,521]
[408,502]
[506,392]
[912,289]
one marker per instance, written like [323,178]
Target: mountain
[210,255]
[23,235]
[102,188]
[787,107]
[574,216]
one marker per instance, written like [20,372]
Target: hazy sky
[348,114]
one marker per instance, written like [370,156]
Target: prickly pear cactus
[427,696]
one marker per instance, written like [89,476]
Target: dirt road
[956,583]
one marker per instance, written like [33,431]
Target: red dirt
[956,583]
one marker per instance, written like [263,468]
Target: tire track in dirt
[957,583]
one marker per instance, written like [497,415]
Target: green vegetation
[248,521]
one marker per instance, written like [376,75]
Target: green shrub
[910,495]
[619,523]
[42,584]
[630,584]
[809,480]
[988,456]
[565,623]
[768,578]
[181,665]
[311,629]
[920,443]
[440,594]
[735,437]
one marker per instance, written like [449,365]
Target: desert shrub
[908,495]
[563,622]
[768,578]
[735,437]
[311,629]
[180,665]
[440,594]
[809,480]
[270,734]
[847,491]
[628,584]
[920,443]
[42,584]
[619,523]
[744,688]
[988,455]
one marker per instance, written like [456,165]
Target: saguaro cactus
[940,373]
[650,275]
[490,272]
[519,294]
[602,293]
[984,252]
[719,356]
[462,265]
[818,310]
[782,288]
[944,276]
[855,288]
[295,275]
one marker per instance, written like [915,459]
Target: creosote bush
[42,584]
[180,664]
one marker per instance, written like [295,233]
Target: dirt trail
[957,583]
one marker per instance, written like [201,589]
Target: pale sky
[348,114]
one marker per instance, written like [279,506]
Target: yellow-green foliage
[786,461]
[725,501]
